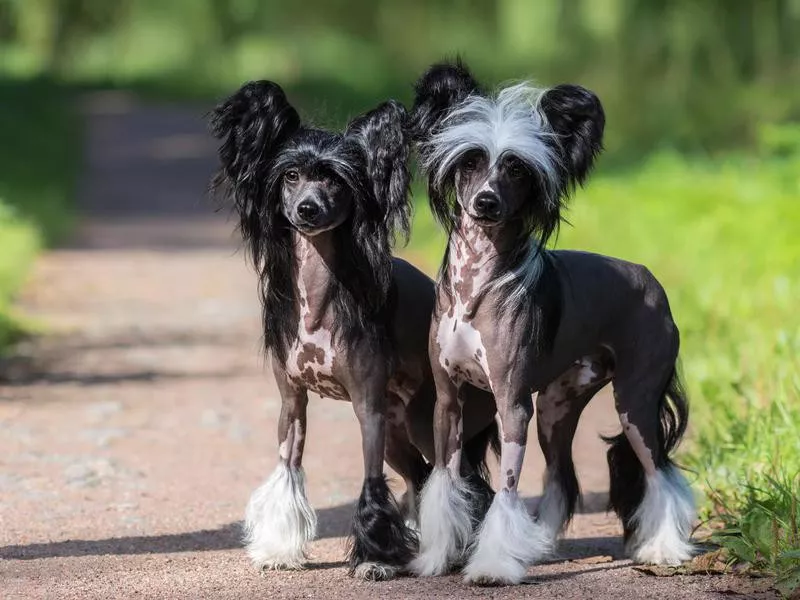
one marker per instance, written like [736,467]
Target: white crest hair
[509,122]
[521,278]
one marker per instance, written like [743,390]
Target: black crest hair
[441,87]
[262,136]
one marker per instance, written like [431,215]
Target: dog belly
[462,353]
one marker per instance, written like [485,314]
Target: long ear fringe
[252,124]
[440,88]
[443,86]
[381,134]
[577,116]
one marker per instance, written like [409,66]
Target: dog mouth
[312,229]
[485,220]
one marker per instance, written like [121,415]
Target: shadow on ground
[333,522]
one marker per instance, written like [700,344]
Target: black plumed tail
[568,483]
[379,532]
[626,472]
[476,449]
[673,413]
[627,480]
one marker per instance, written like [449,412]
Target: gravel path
[132,434]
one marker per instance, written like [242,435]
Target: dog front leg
[279,520]
[445,516]
[381,542]
[509,540]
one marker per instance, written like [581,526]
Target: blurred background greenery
[700,180]
[697,76]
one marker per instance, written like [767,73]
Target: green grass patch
[39,157]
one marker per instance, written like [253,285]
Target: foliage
[699,76]
[38,163]
[761,529]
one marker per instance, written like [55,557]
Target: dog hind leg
[407,461]
[648,492]
[558,411]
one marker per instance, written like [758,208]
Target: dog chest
[310,364]
[461,351]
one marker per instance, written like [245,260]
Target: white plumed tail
[279,521]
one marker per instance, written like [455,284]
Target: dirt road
[132,434]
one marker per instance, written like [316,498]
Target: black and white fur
[319,211]
[514,318]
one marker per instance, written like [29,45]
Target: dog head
[511,156]
[284,174]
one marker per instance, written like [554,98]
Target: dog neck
[315,261]
[478,258]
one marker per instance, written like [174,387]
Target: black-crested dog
[513,318]
[318,211]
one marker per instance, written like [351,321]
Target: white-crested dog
[513,318]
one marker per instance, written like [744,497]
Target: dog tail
[476,452]
[477,449]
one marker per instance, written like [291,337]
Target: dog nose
[308,210]
[487,204]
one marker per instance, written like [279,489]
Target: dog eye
[469,164]
[291,176]
[515,168]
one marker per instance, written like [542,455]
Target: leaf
[757,529]
[710,562]
[790,554]
[788,582]
[739,548]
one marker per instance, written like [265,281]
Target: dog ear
[440,88]
[577,117]
[382,135]
[253,124]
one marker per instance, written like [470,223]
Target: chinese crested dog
[513,318]
[319,211]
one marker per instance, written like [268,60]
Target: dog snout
[487,205]
[309,210]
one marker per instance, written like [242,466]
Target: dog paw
[280,565]
[372,571]
[488,580]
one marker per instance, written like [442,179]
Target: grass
[38,165]
[722,238]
